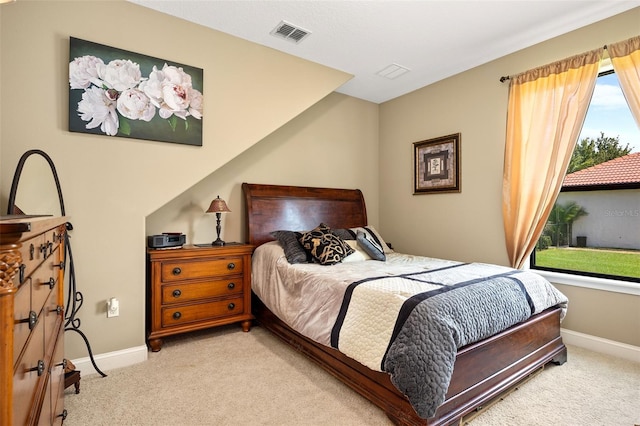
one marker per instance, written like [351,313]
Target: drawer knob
[176,293]
[32,250]
[51,283]
[39,368]
[23,268]
[32,319]
[231,286]
[231,306]
[63,414]
[231,266]
[176,271]
[46,246]
[177,315]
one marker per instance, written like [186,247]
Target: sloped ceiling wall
[111,184]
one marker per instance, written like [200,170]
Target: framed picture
[115,92]
[437,165]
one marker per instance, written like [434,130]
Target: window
[594,227]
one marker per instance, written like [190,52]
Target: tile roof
[619,171]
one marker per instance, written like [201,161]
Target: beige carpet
[226,377]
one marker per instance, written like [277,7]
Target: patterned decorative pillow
[325,247]
[370,245]
[293,250]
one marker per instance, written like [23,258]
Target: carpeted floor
[226,377]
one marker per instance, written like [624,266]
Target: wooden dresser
[32,320]
[192,288]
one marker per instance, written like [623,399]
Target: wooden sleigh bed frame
[482,371]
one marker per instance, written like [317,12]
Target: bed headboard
[298,208]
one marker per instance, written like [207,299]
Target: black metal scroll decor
[74,297]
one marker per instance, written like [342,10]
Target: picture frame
[118,93]
[437,165]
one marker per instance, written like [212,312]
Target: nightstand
[195,287]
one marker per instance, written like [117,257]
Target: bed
[481,371]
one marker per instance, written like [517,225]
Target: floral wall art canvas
[115,92]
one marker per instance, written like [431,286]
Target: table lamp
[218,206]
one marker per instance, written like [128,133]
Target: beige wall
[468,226]
[332,144]
[111,184]
[605,314]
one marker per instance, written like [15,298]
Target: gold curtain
[546,110]
[625,57]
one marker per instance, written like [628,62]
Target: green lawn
[611,262]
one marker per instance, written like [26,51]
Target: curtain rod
[507,77]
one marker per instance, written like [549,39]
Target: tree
[589,152]
[560,223]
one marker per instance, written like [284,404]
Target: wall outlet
[113,307]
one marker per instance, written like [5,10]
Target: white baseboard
[598,344]
[131,356]
[111,360]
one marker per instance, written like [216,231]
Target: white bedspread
[311,309]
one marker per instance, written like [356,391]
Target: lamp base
[218,242]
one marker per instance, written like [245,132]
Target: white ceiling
[433,39]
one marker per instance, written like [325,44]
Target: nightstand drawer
[177,293]
[173,316]
[208,268]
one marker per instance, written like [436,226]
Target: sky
[609,113]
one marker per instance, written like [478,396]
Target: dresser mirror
[35,189]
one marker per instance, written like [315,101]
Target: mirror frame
[16,179]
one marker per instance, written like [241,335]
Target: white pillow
[358,255]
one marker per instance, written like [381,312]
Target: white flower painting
[120,93]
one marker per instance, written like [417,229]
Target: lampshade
[218,205]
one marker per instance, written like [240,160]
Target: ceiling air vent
[393,71]
[290,32]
